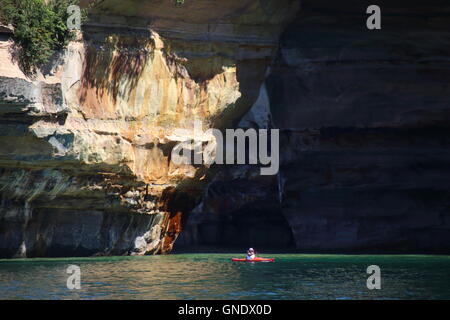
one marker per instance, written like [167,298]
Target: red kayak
[255,260]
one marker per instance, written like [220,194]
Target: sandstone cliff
[364,119]
[85,147]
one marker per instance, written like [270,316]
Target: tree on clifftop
[40,29]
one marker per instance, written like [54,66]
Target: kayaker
[250,254]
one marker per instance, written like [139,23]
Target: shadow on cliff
[114,64]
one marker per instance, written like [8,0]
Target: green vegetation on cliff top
[40,30]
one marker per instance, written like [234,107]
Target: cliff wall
[365,121]
[363,116]
[85,146]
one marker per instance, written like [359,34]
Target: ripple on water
[214,276]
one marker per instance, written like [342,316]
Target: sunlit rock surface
[85,146]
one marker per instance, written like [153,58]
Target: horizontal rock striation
[85,146]
[85,165]
[365,119]
[365,126]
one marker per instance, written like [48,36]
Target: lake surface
[215,276]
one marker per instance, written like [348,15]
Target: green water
[214,276]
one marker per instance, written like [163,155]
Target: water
[214,276]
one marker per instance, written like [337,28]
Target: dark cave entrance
[235,215]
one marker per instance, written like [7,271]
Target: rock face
[85,165]
[85,146]
[240,208]
[365,126]
[366,120]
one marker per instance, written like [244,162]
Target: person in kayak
[250,254]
